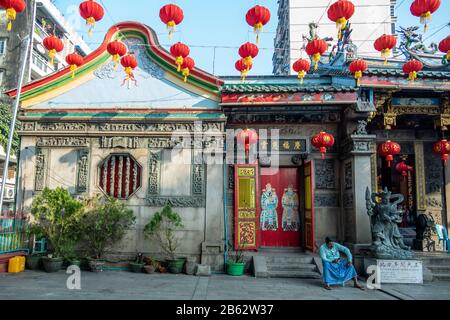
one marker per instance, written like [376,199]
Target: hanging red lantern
[442,148]
[385,44]
[315,49]
[130,63]
[340,12]
[53,44]
[171,15]
[301,66]
[444,46]
[248,138]
[403,168]
[74,60]
[323,141]
[187,66]
[248,51]
[243,68]
[12,8]
[357,67]
[92,12]
[257,17]
[389,150]
[117,49]
[179,51]
[411,68]
[424,9]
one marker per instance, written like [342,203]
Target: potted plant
[151,266]
[34,261]
[103,223]
[236,263]
[138,265]
[163,227]
[56,215]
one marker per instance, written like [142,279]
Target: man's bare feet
[327,287]
[358,286]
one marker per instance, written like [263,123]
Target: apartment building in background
[371,19]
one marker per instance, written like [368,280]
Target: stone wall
[194,191]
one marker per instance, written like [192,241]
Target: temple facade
[163,141]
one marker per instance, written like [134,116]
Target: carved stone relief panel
[433,181]
[324,200]
[348,175]
[41,169]
[120,142]
[325,175]
[83,171]
[62,142]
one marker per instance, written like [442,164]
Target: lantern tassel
[73,69]
[51,55]
[179,61]
[171,27]
[301,75]
[316,59]
[358,75]
[257,28]
[185,74]
[91,23]
[341,23]
[11,16]
[116,59]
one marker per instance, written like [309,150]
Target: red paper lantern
[243,68]
[248,138]
[301,66]
[257,17]
[179,51]
[442,148]
[12,8]
[117,49]
[389,150]
[171,15]
[248,51]
[444,46]
[403,168]
[384,44]
[92,12]
[74,60]
[323,141]
[357,67]
[130,63]
[411,68]
[315,49]
[424,9]
[53,44]
[187,66]
[340,12]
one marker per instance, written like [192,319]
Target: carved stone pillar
[357,172]
[420,177]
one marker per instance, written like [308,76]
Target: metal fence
[12,232]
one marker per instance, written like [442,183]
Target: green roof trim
[282,88]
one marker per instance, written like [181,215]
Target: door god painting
[290,220]
[269,204]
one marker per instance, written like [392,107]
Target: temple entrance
[280,222]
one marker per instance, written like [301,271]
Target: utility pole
[27,43]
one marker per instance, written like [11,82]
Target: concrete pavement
[113,285]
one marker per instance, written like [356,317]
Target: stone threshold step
[441,276]
[294,274]
[291,267]
[290,260]
[438,268]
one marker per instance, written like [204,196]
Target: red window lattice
[120,176]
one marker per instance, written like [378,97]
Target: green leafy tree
[104,222]
[163,227]
[56,215]
[5,122]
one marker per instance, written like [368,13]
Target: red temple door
[279,207]
[309,205]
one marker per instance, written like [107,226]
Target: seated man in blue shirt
[337,270]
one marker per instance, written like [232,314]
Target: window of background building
[2,46]
[2,73]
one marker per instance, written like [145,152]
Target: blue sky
[222,24]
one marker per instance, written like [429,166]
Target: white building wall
[371,19]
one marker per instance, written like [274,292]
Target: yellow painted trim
[191,87]
[77,81]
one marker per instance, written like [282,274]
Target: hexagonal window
[120,176]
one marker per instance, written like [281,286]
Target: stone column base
[212,255]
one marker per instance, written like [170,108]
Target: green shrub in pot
[163,227]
